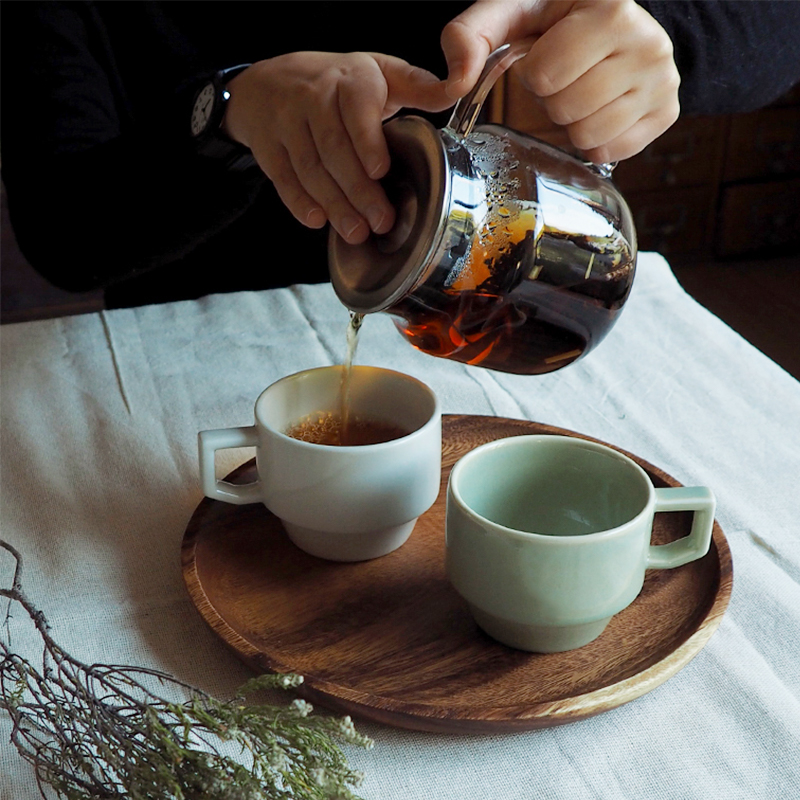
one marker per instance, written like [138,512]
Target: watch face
[203,107]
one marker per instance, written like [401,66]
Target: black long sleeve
[733,55]
[105,190]
[101,186]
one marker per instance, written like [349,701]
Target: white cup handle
[684,498]
[221,439]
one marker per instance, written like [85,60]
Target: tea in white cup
[340,500]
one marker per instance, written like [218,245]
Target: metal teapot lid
[373,275]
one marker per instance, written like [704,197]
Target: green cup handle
[684,498]
[222,438]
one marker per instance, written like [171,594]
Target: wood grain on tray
[389,640]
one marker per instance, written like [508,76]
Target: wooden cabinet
[765,144]
[716,186]
[758,218]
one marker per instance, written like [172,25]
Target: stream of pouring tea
[342,426]
[353,328]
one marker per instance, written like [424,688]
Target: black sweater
[104,189]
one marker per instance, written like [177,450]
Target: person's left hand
[313,121]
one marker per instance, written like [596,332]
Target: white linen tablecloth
[100,415]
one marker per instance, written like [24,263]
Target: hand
[604,69]
[314,124]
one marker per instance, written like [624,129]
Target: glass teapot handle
[466,111]
[469,106]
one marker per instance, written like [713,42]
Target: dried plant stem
[97,731]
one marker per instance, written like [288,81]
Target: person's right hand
[604,69]
[313,122]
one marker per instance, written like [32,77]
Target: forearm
[102,179]
[86,220]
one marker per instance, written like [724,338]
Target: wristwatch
[208,111]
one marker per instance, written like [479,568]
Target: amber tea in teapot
[507,253]
[515,309]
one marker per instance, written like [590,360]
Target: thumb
[411,87]
[469,38]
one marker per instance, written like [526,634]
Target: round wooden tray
[389,640]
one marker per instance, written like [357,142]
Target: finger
[379,88]
[340,158]
[628,144]
[364,126]
[359,106]
[619,130]
[410,86]
[652,81]
[277,166]
[555,62]
[598,87]
[469,38]
[315,179]
[467,41]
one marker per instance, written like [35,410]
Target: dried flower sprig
[97,731]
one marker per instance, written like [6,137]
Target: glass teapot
[506,253]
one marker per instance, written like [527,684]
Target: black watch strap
[212,141]
[225,75]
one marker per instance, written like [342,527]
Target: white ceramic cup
[547,537]
[339,503]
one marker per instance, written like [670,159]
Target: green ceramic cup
[549,536]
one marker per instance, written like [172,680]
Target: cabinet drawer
[678,221]
[764,143]
[688,154]
[761,218]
